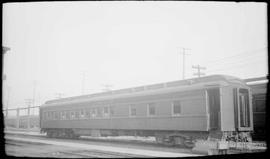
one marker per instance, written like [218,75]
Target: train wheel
[169,141]
[54,134]
[49,134]
[76,136]
[159,139]
[73,135]
[62,134]
[189,143]
[178,140]
[68,135]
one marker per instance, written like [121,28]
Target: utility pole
[199,68]
[4,51]
[184,54]
[18,118]
[28,102]
[4,77]
[8,89]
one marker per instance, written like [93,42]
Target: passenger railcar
[177,112]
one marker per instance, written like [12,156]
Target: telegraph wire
[234,66]
[240,54]
[245,63]
[236,61]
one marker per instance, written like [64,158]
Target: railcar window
[62,115]
[56,116]
[99,112]
[132,111]
[53,115]
[112,110]
[68,115]
[106,111]
[176,107]
[94,112]
[50,115]
[82,114]
[244,108]
[77,114]
[72,115]
[87,113]
[151,109]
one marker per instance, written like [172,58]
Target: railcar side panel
[163,108]
[121,110]
[191,117]
[194,123]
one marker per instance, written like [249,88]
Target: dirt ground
[21,149]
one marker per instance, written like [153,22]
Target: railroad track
[76,153]
[99,154]
[115,141]
[66,149]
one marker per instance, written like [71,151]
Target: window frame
[93,112]
[99,113]
[54,115]
[72,115]
[87,114]
[112,110]
[106,115]
[132,106]
[173,106]
[148,109]
[81,114]
[77,114]
[68,115]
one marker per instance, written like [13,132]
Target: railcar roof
[158,86]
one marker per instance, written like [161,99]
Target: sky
[75,48]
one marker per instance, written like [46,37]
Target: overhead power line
[236,62]
[28,102]
[230,67]
[240,54]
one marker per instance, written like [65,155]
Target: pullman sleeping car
[177,112]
